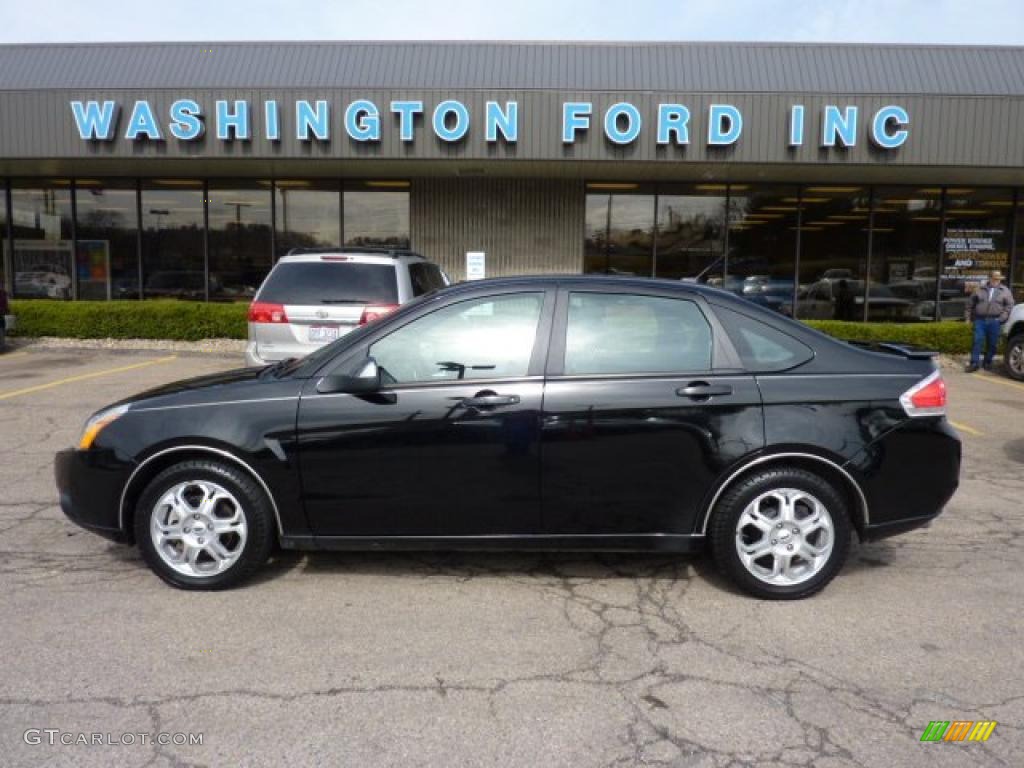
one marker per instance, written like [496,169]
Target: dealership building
[845,181]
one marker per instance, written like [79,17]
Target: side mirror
[364,381]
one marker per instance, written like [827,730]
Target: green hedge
[192,321]
[151,319]
[949,336]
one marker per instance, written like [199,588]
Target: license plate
[323,332]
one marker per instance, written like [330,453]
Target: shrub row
[949,336]
[155,319]
[192,321]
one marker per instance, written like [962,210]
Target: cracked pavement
[504,659]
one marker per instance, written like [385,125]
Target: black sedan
[561,413]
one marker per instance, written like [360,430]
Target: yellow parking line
[9,355]
[965,428]
[83,377]
[996,380]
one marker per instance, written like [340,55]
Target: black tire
[1015,357]
[254,506]
[731,507]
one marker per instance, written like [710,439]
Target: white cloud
[917,21]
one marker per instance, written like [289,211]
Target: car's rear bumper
[908,475]
[89,485]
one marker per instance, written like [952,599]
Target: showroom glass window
[308,215]
[241,231]
[106,247]
[761,259]
[172,239]
[979,227]
[376,214]
[619,229]
[41,221]
[905,244]
[833,251]
[1017,273]
[690,231]
[4,245]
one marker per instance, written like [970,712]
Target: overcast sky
[997,22]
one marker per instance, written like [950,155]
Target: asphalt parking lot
[496,659]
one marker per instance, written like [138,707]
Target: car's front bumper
[89,485]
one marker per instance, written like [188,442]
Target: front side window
[623,333]
[489,338]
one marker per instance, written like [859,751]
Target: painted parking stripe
[12,355]
[83,377]
[997,380]
[964,428]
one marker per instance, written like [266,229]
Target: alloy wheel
[784,537]
[198,528]
[1015,359]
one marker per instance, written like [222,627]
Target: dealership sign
[450,121]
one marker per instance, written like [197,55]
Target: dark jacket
[981,307]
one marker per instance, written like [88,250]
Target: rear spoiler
[909,351]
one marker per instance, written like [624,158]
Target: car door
[449,446]
[645,405]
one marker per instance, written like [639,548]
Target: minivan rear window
[330,282]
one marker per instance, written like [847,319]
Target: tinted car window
[425,278]
[480,339]
[622,333]
[760,346]
[330,282]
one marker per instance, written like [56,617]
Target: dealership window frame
[1015,272]
[139,186]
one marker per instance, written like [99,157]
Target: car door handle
[489,401]
[701,389]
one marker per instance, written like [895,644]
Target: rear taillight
[926,398]
[262,312]
[372,312]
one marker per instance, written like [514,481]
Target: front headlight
[97,423]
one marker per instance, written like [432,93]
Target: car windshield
[330,282]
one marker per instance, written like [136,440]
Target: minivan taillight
[373,311]
[926,398]
[262,312]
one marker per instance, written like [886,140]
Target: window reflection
[41,223]
[172,239]
[762,245]
[308,215]
[625,244]
[691,231]
[377,214]
[905,241]
[979,223]
[833,252]
[106,255]
[240,237]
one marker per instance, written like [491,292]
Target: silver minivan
[312,297]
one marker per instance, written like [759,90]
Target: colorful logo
[958,730]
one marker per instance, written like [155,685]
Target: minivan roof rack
[393,252]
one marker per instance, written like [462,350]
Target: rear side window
[760,346]
[330,282]
[425,278]
[611,333]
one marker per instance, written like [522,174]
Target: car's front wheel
[204,525]
[781,534]
[1015,357]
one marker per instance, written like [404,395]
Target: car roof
[602,281]
[373,255]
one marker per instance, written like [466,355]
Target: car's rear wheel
[781,534]
[1015,357]
[204,525]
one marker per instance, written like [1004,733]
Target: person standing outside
[989,308]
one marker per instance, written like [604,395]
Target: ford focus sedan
[552,413]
